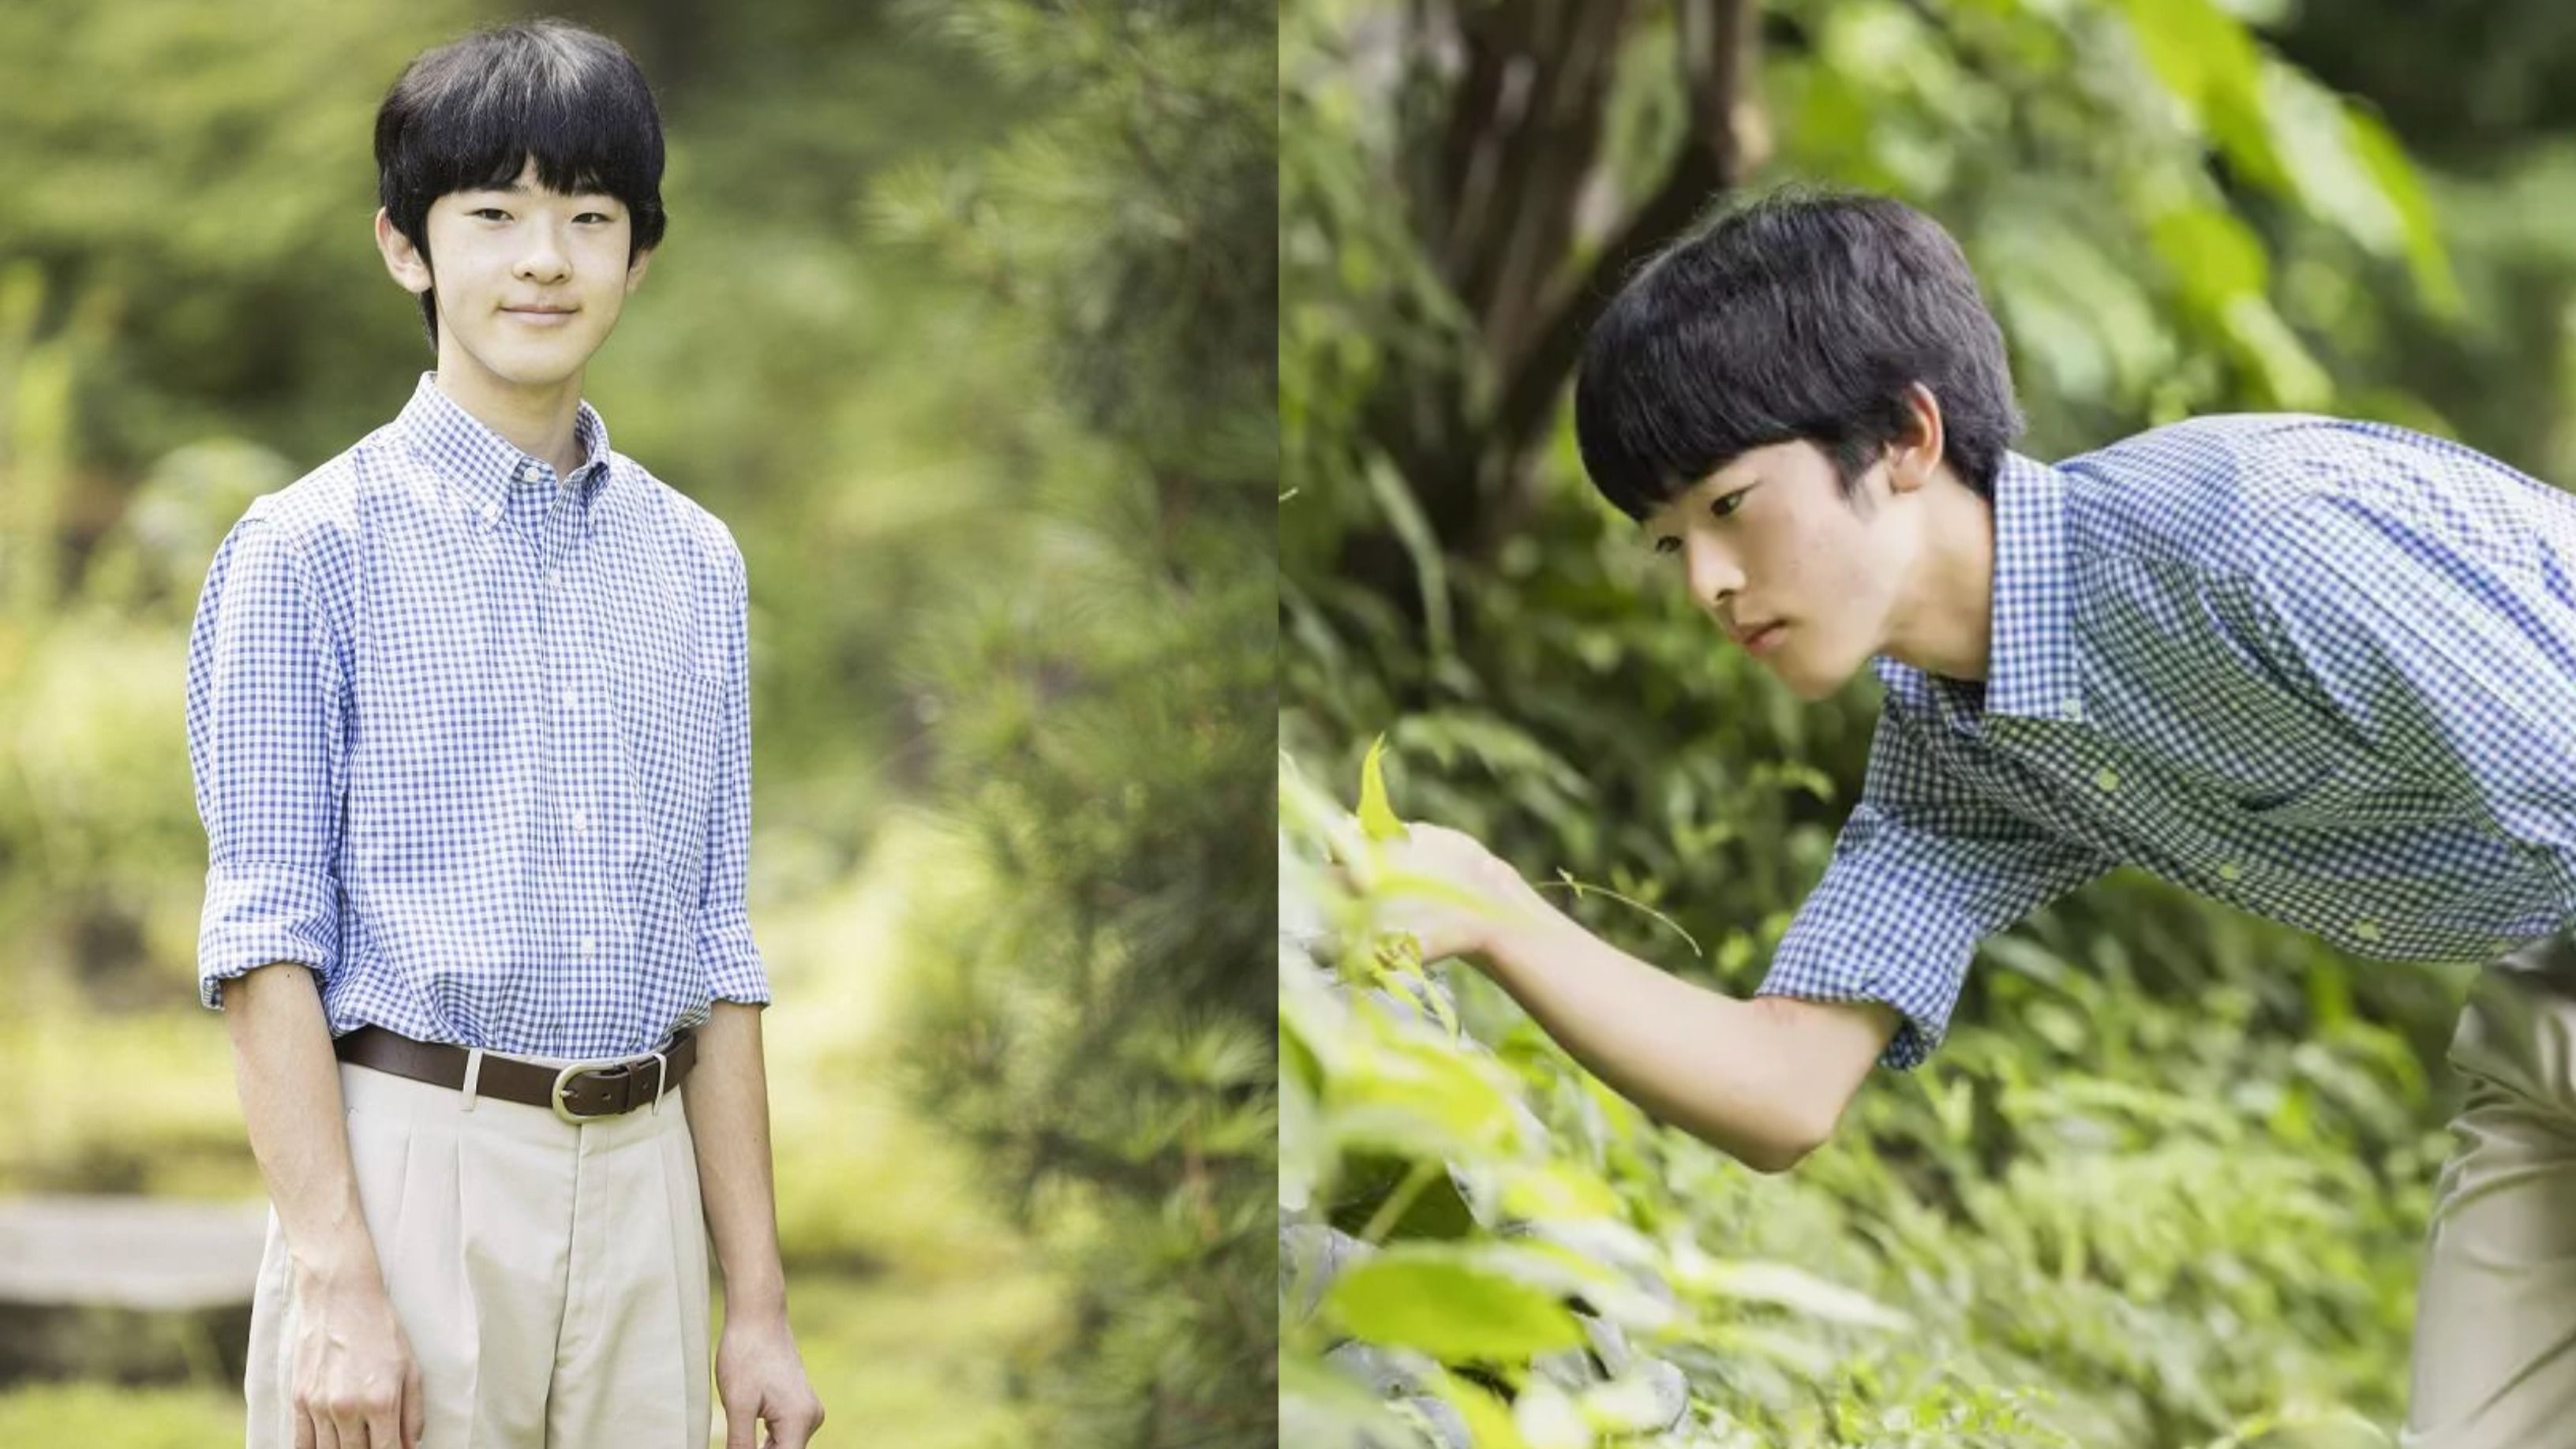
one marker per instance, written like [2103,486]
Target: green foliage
[2166,1183]
[2107,1216]
[1104,1033]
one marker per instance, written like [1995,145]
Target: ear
[403,259]
[635,270]
[1915,456]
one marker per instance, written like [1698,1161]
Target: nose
[546,258]
[1713,575]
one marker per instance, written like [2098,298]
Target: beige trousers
[2495,1318]
[552,1279]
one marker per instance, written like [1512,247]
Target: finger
[738,1427]
[790,1431]
[384,1429]
[324,1435]
[415,1409]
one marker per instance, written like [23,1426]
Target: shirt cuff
[1816,964]
[734,968]
[260,913]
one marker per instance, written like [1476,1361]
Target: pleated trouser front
[2495,1322]
[552,1278]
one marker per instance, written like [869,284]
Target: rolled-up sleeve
[2431,654]
[265,747]
[1923,870]
[732,962]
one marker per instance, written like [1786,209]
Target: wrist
[1522,927]
[344,1268]
[758,1302]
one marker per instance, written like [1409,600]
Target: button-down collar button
[2231,871]
[2107,778]
[2366,930]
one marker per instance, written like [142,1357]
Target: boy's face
[528,281]
[1769,540]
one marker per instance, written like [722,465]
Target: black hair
[1803,314]
[471,114]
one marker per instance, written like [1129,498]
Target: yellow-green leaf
[1441,1302]
[1376,816]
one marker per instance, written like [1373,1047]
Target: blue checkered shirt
[2322,670]
[472,742]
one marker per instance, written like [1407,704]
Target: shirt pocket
[441,721]
[674,741]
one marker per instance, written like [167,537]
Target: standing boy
[468,715]
[2322,670]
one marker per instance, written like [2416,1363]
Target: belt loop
[473,1074]
[661,1078]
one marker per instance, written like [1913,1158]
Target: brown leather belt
[583,1090]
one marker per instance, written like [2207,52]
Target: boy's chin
[1814,685]
[526,366]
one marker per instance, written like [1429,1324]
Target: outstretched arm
[1764,1080]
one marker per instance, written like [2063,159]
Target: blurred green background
[965,325]
[2166,1184]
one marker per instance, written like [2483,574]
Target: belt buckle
[565,1075]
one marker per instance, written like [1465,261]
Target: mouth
[540,316]
[1763,639]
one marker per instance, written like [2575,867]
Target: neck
[536,419]
[1944,616]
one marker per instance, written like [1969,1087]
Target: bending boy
[468,715]
[2322,670]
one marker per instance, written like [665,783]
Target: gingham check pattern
[473,743]
[2322,670]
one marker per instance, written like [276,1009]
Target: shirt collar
[483,466]
[2031,669]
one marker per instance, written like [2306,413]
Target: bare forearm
[289,1083]
[1722,1069]
[728,1105]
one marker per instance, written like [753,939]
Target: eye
[490,211]
[1667,545]
[1726,506]
[594,216]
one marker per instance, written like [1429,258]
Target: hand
[1446,890]
[355,1383]
[760,1377]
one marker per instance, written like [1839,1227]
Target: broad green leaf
[1445,1303]
[1412,1095]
